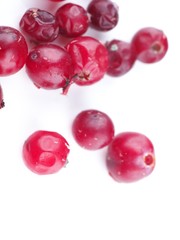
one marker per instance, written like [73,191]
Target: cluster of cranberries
[82,60]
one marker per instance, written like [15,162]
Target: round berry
[150,44]
[121,57]
[104,14]
[93,129]
[73,20]
[1,98]
[39,25]
[13,50]
[90,59]
[45,152]
[49,66]
[130,157]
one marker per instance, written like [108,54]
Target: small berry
[104,14]
[90,59]
[73,20]
[45,152]
[93,129]
[150,44]
[49,66]
[130,157]
[13,50]
[121,57]
[1,98]
[39,25]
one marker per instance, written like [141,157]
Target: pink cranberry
[45,152]
[49,66]
[93,129]
[1,98]
[121,57]
[13,49]
[90,59]
[39,25]
[73,20]
[150,44]
[104,14]
[130,157]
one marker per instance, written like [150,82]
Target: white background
[81,201]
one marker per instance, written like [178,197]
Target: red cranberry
[130,157]
[1,98]
[104,14]
[121,57]
[49,66]
[90,59]
[93,129]
[45,152]
[73,20]
[13,49]
[39,25]
[150,44]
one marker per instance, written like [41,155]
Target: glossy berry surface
[45,152]
[73,20]
[90,59]
[13,50]
[1,98]
[130,157]
[150,44]
[93,129]
[49,66]
[121,57]
[104,14]
[39,25]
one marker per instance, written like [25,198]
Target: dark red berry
[150,44]
[104,14]
[73,20]
[13,50]
[49,66]
[1,98]
[45,152]
[93,129]
[121,57]
[90,59]
[130,157]
[39,25]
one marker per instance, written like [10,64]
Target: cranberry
[104,14]
[121,57]
[150,44]
[73,20]
[49,66]
[130,157]
[45,152]
[39,25]
[13,50]
[90,59]
[93,129]
[1,98]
